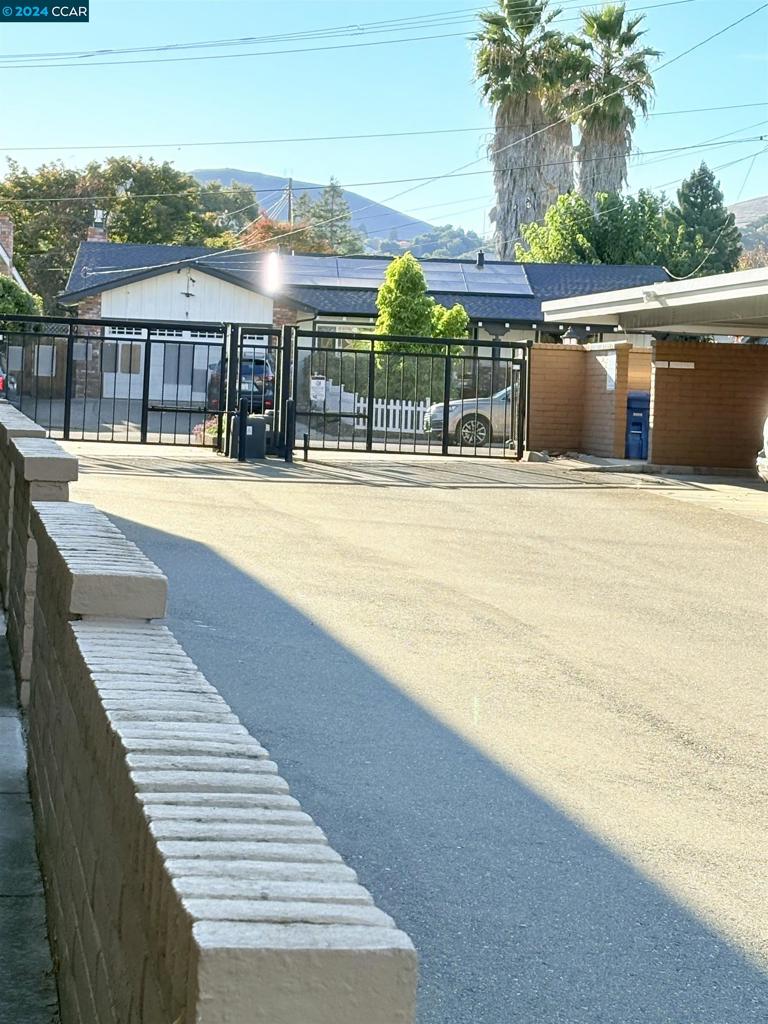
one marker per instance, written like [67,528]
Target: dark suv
[257,383]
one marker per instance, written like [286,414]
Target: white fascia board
[608,307]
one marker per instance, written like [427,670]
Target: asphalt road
[527,706]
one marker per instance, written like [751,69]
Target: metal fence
[135,381]
[418,395]
[182,384]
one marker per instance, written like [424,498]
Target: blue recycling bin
[638,424]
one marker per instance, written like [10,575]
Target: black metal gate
[417,395]
[137,381]
[179,383]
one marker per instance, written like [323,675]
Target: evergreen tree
[701,214]
[329,220]
[404,307]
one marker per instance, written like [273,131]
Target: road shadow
[519,914]
[428,472]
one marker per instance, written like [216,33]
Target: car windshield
[502,395]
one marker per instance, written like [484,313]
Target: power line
[566,118]
[711,143]
[268,53]
[336,138]
[517,142]
[388,24]
[247,262]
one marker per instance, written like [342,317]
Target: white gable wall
[163,298]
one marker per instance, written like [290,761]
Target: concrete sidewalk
[27,985]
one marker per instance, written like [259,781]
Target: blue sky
[408,86]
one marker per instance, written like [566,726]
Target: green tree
[329,220]
[623,229]
[52,208]
[613,83]
[524,66]
[449,323]
[447,242]
[701,217]
[144,201]
[16,301]
[404,307]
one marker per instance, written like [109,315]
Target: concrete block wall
[12,424]
[708,404]
[579,398]
[557,387]
[183,881]
[639,373]
[604,423]
[42,471]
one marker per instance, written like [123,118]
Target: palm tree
[521,64]
[614,83]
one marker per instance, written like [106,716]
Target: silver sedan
[475,422]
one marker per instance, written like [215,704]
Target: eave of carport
[735,304]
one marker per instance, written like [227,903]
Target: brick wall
[42,472]
[284,314]
[183,882]
[557,387]
[12,424]
[639,378]
[605,399]
[90,308]
[711,414]
[579,398]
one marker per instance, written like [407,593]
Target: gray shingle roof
[326,284]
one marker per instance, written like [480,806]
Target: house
[7,268]
[199,286]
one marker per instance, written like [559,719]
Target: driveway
[527,705]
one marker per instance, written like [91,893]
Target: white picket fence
[390,416]
[393,416]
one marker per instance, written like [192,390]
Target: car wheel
[474,432]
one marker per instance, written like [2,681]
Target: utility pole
[290,201]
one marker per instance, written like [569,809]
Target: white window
[15,358]
[125,332]
[45,361]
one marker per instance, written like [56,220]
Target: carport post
[69,370]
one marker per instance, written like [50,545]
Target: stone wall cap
[40,458]
[105,573]
[245,935]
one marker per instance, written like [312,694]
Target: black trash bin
[255,436]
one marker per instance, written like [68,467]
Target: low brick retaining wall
[41,471]
[12,424]
[184,883]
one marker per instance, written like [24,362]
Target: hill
[750,210]
[375,220]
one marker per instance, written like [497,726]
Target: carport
[709,398]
